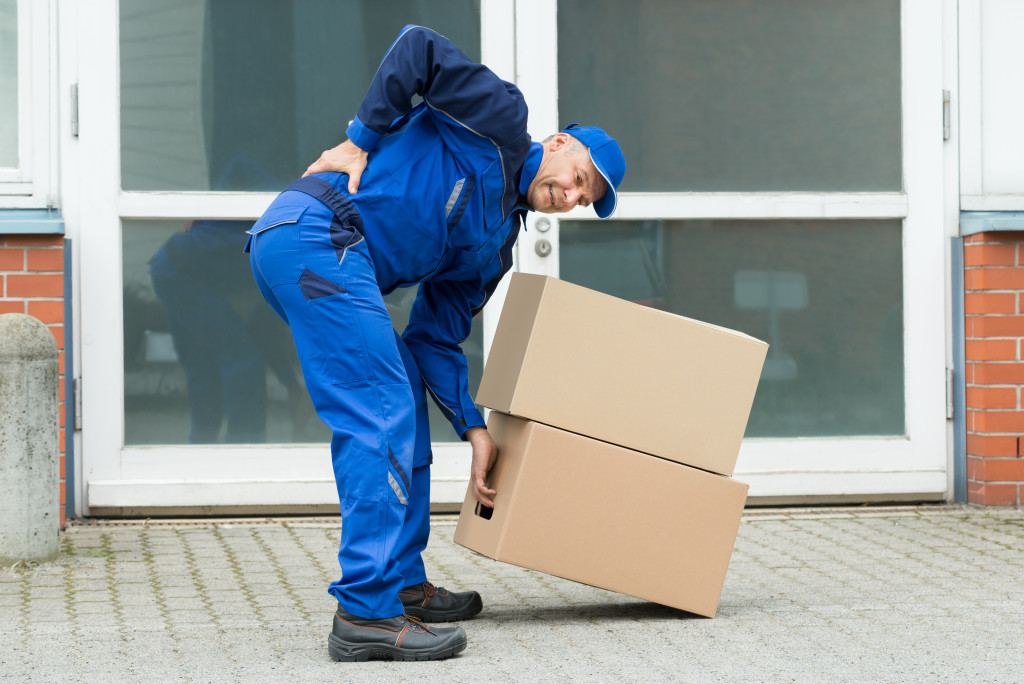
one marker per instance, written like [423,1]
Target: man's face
[566,177]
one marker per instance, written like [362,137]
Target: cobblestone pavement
[898,594]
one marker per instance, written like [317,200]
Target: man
[433,194]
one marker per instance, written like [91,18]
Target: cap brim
[605,206]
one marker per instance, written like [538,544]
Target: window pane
[245,94]
[707,95]
[826,295]
[8,83]
[206,360]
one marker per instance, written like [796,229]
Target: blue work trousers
[317,273]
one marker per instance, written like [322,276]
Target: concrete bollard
[29,441]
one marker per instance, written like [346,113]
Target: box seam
[623,446]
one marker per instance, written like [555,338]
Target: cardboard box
[621,372]
[610,517]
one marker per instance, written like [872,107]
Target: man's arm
[440,321]
[425,63]
[485,452]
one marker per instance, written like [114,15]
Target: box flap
[573,288]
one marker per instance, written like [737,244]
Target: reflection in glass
[826,295]
[245,94]
[709,96]
[206,360]
[8,83]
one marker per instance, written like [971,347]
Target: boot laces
[416,623]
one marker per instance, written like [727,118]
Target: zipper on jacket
[448,411]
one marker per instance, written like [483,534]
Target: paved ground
[899,594]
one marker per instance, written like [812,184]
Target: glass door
[199,112]
[784,179]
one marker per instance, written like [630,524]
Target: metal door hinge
[73,105]
[949,394]
[77,418]
[946,123]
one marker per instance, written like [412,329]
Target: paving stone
[47,603]
[831,595]
[10,614]
[55,579]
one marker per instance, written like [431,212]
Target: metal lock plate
[542,247]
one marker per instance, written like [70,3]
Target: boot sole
[343,652]
[431,616]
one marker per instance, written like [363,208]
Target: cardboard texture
[622,373]
[606,516]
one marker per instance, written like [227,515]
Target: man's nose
[572,196]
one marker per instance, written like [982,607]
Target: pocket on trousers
[315,286]
[332,338]
[277,216]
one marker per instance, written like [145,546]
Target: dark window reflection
[826,295]
[739,96]
[206,360]
[208,86]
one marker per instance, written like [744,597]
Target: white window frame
[978,88]
[913,466]
[253,476]
[28,185]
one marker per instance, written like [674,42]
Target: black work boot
[437,604]
[399,638]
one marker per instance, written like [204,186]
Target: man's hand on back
[485,451]
[345,158]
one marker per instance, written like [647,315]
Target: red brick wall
[994,328]
[32,282]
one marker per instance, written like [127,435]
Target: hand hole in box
[484,512]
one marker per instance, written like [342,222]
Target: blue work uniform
[440,204]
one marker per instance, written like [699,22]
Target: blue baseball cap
[607,157]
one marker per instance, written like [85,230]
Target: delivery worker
[432,195]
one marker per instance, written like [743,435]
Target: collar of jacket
[530,168]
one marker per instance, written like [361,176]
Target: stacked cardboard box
[618,428]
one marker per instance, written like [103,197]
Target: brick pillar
[32,282]
[994,347]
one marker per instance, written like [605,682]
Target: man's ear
[559,141]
